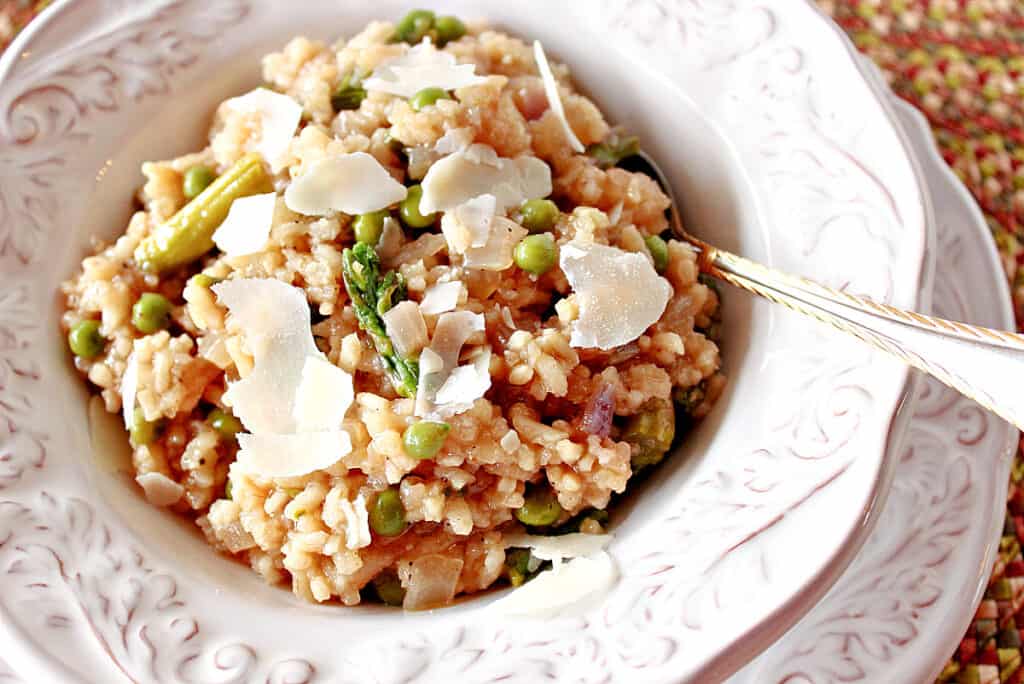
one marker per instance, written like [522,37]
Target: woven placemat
[961,62]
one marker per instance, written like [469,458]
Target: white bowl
[780,150]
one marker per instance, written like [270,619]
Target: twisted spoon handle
[983,364]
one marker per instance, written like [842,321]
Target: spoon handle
[983,364]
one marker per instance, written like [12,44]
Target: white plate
[902,606]
[781,150]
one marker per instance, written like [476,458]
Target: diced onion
[160,490]
[432,582]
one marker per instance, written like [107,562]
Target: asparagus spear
[372,297]
[188,235]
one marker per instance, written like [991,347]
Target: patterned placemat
[961,62]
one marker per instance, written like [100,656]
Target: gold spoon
[983,364]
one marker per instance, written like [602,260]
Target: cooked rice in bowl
[351,339]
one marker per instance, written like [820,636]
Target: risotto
[402,322]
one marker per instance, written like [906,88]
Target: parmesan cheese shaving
[279,116]
[469,224]
[422,66]
[246,228]
[159,489]
[554,98]
[353,183]
[129,388]
[405,326]
[454,140]
[441,297]
[357,522]
[464,385]
[619,294]
[323,396]
[291,455]
[275,319]
[294,400]
[560,547]
[571,587]
[497,253]
[477,170]
[442,356]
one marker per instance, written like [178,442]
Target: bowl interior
[716,202]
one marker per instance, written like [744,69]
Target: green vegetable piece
[349,94]
[389,589]
[690,398]
[228,490]
[423,439]
[409,209]
[85,339]
[414,26]
[650,432]
[659,252]
[613,150]
[448,28]
[387,514]
[540,507]
[224,423]
[539,215]
[517,566]
[203,280]
[188,235]
[536,254]
[197,178]
[372,297]
[151,313]
[368,227]
[141,431]
[427,97]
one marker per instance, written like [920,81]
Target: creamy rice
[526,430]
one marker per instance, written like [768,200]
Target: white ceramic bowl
[780,150]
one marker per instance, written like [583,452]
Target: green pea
[348,95]
[428,97]
[651,432]
[414,26]
[142,431]
[536,254]
[448,28]
[540,507]
[387,515]
[409,209]
[691,397]
[151,313]
[368,227]
[659,252]
[203,280]
[197,178]
[517,566]
[422,440]
[224,423]
[539,215]
[389,589]
[85,339]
